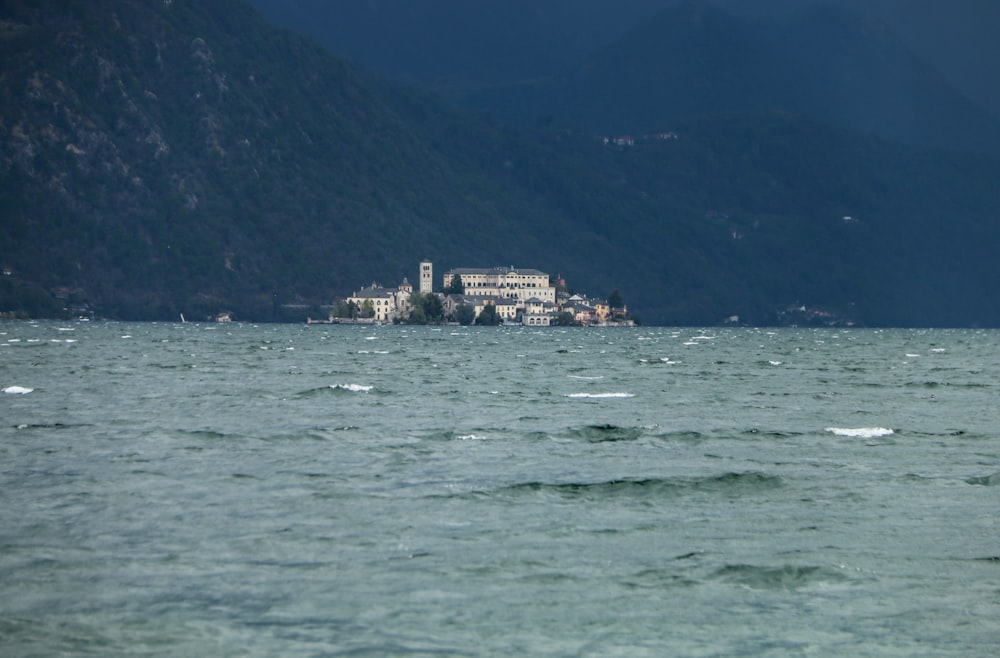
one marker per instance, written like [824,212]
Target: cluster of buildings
[629,140]
[518,296]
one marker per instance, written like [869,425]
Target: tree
[347,309]
[489,316]
[456,287]
[615,299]
[565,319]
[433,308]
[426,308]
[465,314]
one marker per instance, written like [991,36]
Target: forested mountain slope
[183,157]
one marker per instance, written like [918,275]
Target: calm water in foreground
[231,490]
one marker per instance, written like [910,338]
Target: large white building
[505,282]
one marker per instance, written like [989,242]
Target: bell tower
[426,276]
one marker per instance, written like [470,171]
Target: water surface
[187,489]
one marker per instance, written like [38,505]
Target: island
[484,296]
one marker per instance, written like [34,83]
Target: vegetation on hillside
[165,158]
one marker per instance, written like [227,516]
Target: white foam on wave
[354,388]
[861,432]
[600,395]
[666,359]
[587,378]
[17,390]
[471,437]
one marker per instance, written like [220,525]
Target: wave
[353,388]
[692,436]
[783,577]
[777,434]
[50,426]
[600,395]
[475,434]
[339,389]
[861,432]
[17,390]
[727,484]
[606,433]
[986,480]
[659,578]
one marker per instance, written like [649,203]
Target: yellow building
[385,304]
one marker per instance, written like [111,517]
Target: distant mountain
[159,158]
[694,59]
[455,45]
[804,56]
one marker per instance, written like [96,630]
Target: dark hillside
[164,158]
[170,156]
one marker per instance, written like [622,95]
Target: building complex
[518,296]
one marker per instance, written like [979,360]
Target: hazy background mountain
[456,45]
[179,157]
[635,65]
[695,59]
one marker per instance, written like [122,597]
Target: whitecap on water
[354,388]
[600,395]
[17,390]
[861,432]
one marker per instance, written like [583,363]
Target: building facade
[384,304]
[505,282]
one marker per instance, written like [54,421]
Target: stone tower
[426,276]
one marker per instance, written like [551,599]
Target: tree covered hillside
[185,157]
[162,157]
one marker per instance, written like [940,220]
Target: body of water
[241,490]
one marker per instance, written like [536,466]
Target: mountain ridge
[165,158]
[694,58]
